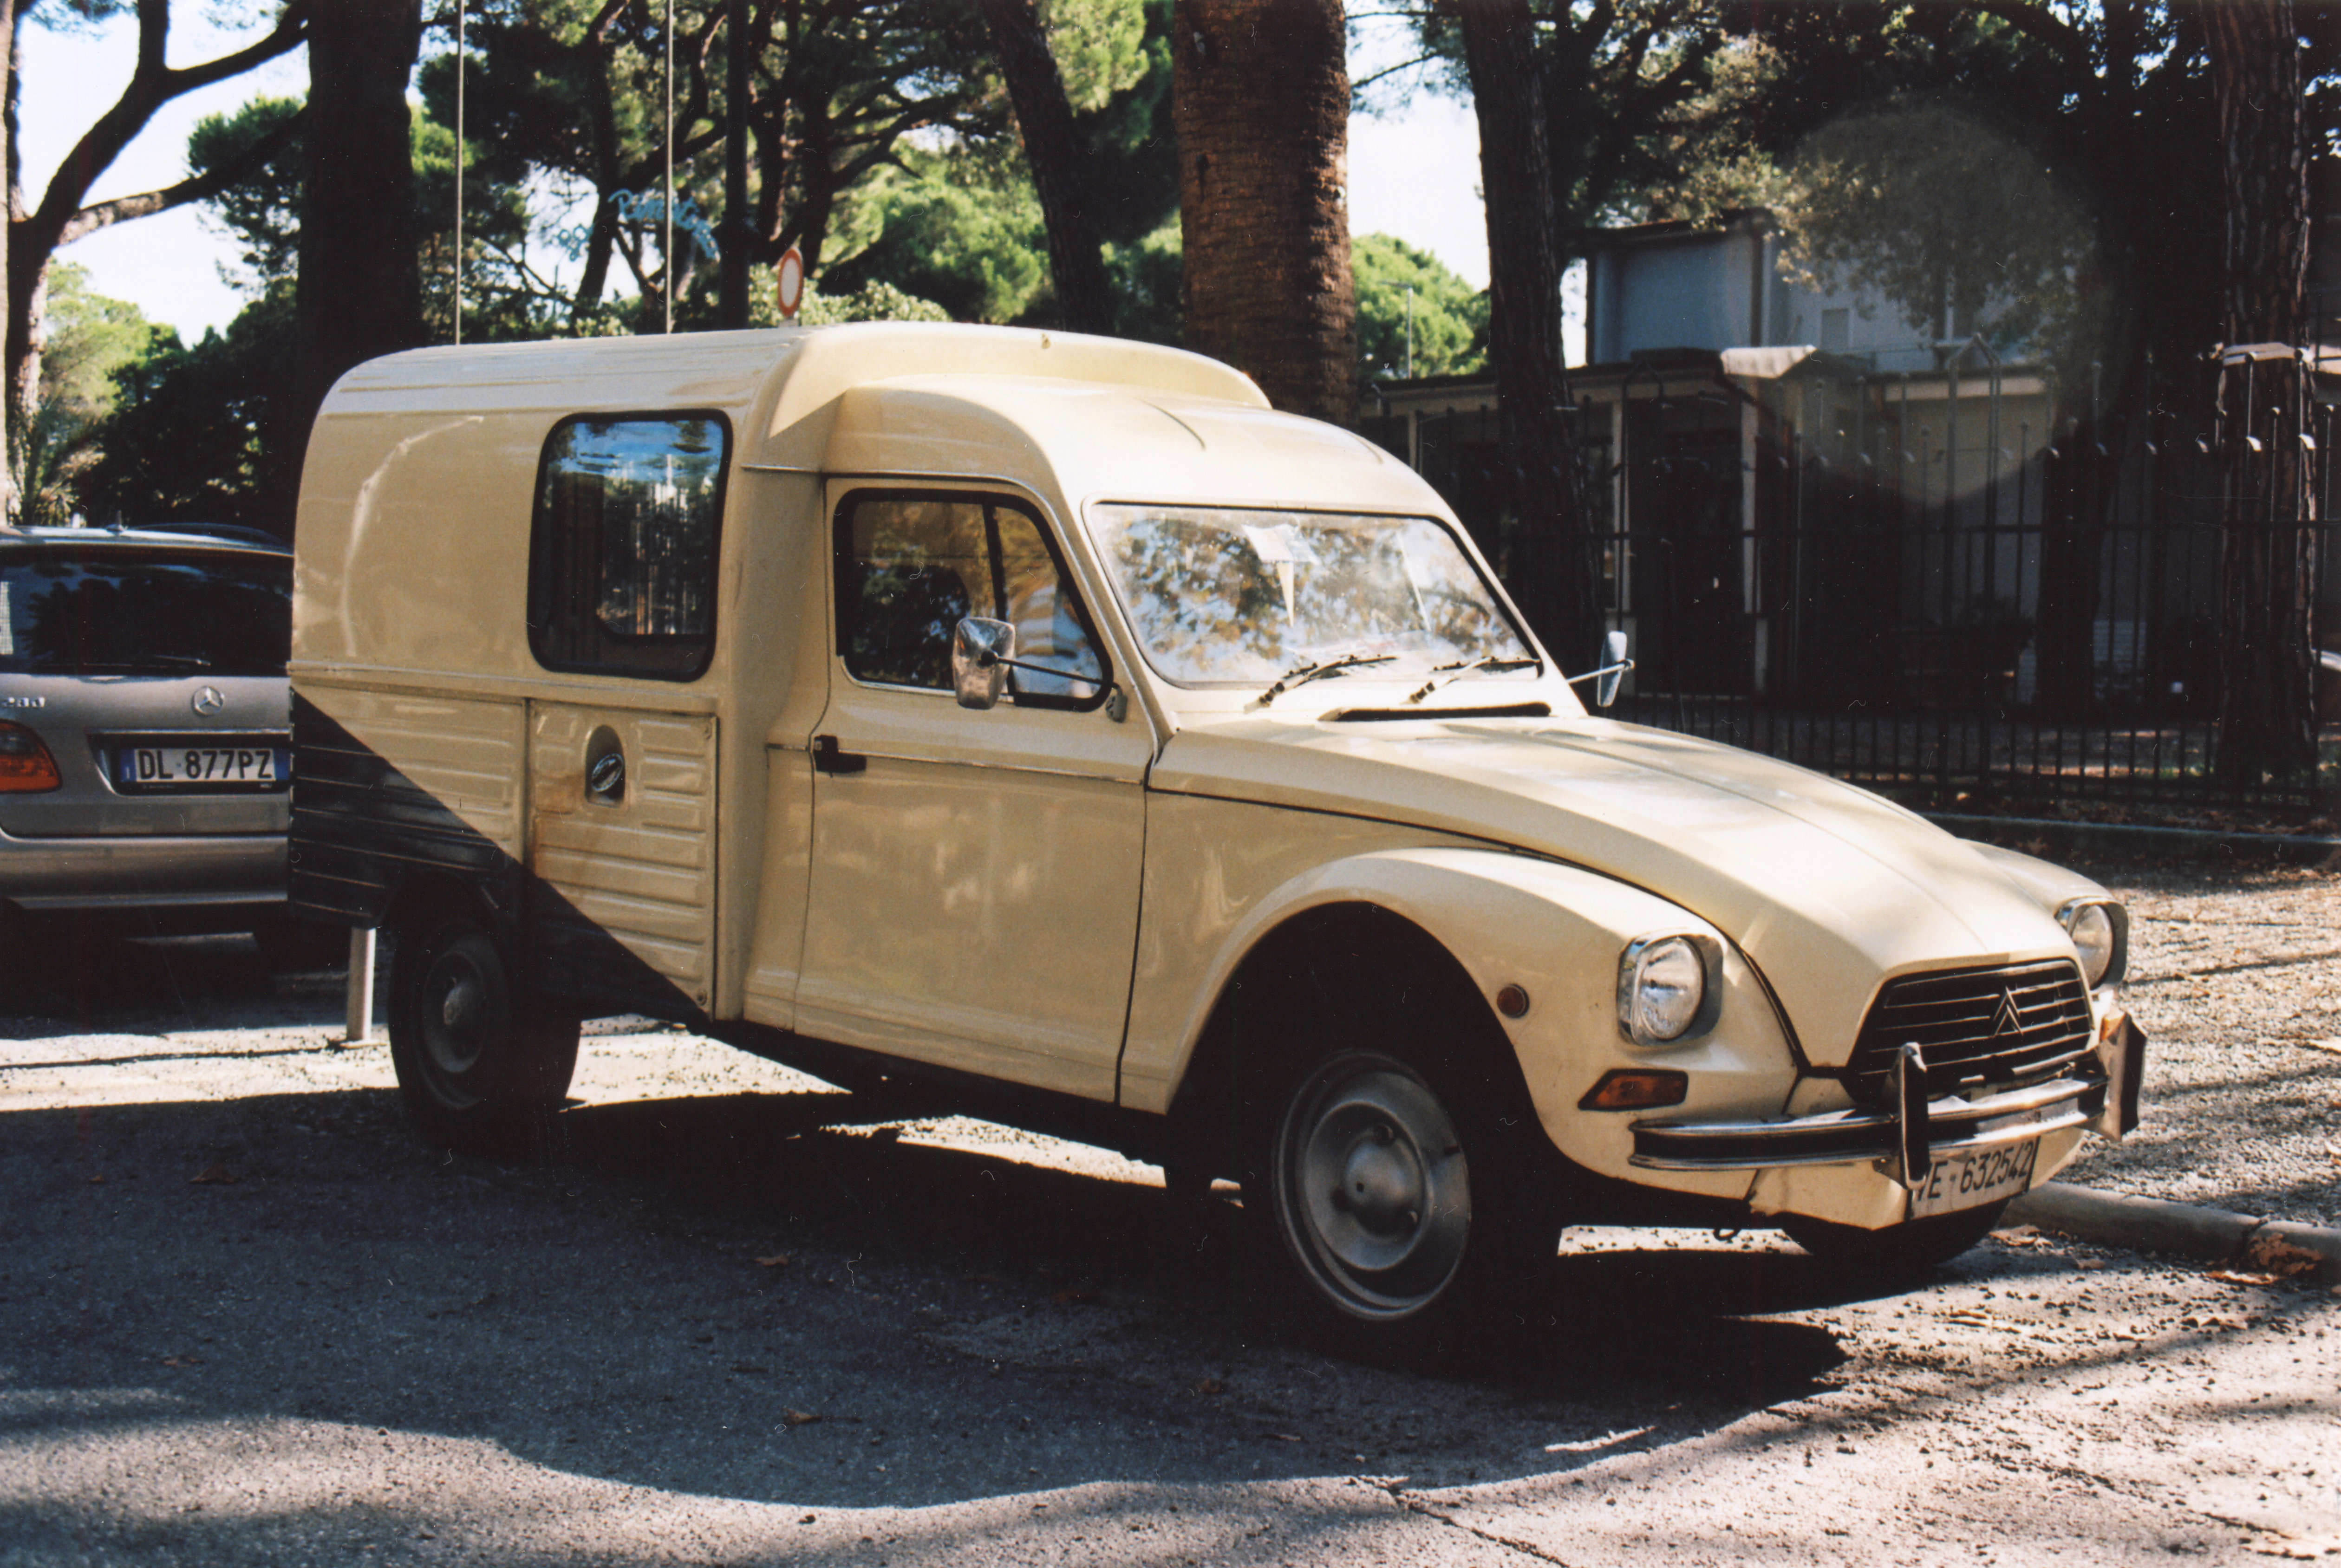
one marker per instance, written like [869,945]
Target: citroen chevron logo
[207,702]
[2005,1018]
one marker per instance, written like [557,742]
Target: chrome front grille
[1999,1026]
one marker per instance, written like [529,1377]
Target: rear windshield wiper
[1463,667]
[177,660]
[1302,675]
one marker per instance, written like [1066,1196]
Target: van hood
[1828,890]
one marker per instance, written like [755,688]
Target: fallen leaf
[2285,1259]
[2087,1263]
[2237,1276]
[1286,1437]
[1210,1385]
[798,1418]
[777,1260]
[1075,1296]
[213,1174]
[96,1179]
[183,1361]
[2017,1235]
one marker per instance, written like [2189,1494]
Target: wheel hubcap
[1373,1192]
[455,1029]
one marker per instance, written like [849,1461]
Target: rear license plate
[194,766]
[1972,1179]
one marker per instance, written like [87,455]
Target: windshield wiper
[1463,667]
[181,661]
[1303,674]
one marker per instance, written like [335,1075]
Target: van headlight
[1665,986]
[2100,932]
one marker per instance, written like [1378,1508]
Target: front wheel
[1899,1248]
[479,1061]
[1401,1205]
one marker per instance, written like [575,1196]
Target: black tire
[1404,1184]
[481,1064]
[1903,1248]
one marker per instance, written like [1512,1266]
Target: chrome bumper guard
[2100,1090]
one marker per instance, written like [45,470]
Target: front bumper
[2099,1093]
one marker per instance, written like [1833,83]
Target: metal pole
[359,1029]
[666,196]
[458,170]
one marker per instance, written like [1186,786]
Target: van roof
[784,374]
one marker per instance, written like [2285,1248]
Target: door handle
[828,759]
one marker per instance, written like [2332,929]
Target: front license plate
[1972,1179]
[191,767]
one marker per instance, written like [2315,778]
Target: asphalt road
[733,1317]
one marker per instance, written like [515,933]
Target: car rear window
[123,612]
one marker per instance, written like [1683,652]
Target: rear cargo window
[114,611]
[622,556]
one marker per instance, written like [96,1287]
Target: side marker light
[1637,1088]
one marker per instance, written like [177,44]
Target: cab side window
[909,566]
[622,550]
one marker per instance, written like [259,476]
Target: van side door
[622,801]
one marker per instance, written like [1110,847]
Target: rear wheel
[480,1062]
[1900,1248]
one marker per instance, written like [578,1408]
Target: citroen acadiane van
[1045,718]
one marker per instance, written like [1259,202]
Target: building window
[622,552]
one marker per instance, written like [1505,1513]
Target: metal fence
[1964,608]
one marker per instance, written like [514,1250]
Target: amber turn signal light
[1635,1089]
[26,766]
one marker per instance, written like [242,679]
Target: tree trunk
[1054,149]
[2267,718]
[1260,95]
[1553,562]
[360,290]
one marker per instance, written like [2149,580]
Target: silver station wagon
[146,738]
[1048,721]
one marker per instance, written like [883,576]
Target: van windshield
[1222,597]
[120,612]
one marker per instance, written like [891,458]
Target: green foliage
[262,213]
[1099,46]
[90,337]
[1147,276]
[1450,316]
[874,303]
[962,229]
[186,443]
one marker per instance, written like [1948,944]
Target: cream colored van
[1046,719]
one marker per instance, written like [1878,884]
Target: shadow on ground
[749,1298]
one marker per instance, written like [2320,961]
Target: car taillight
[26,766]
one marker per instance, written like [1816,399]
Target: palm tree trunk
[1260,95]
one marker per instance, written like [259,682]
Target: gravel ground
[2235,978]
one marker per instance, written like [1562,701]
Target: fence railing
[1962,611]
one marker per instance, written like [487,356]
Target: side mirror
[979,647]
[1614,665]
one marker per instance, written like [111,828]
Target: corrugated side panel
[642,871]
[386,786]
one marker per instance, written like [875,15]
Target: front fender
[1555,931]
